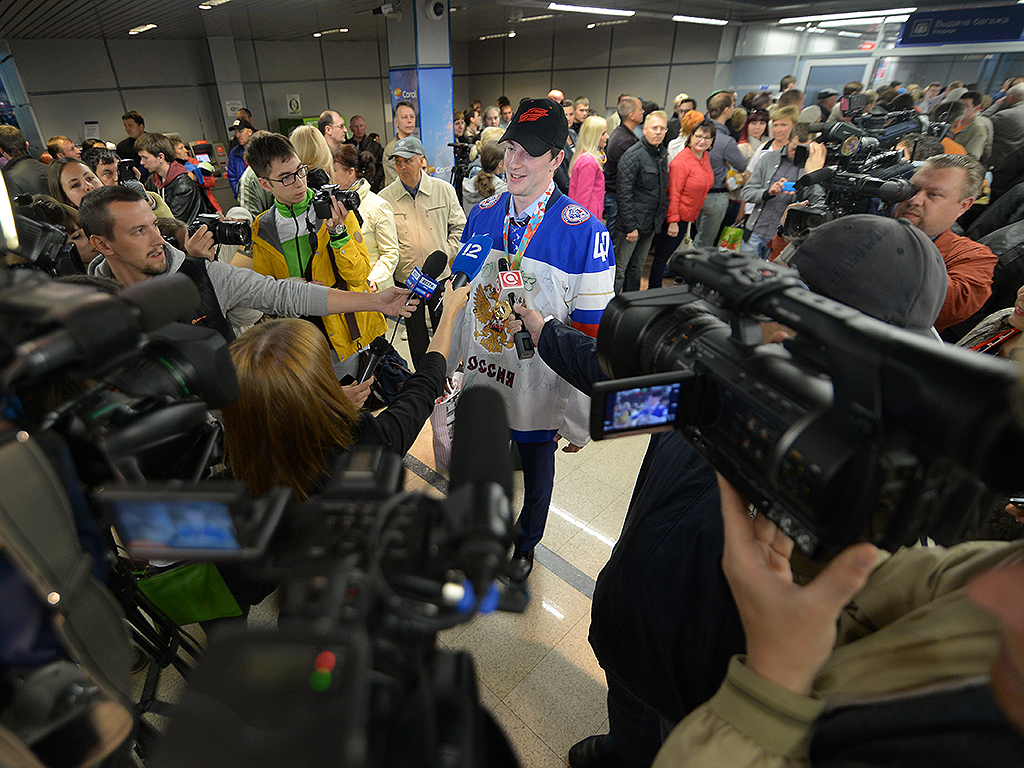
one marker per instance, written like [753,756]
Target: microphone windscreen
[472,255]
[480,440]
[435,264]
[162,300]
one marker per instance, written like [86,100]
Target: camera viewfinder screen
[188,524]
[644,409]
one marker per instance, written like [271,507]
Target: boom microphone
[481,483]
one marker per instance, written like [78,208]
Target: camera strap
[339,283]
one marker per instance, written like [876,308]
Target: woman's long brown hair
[291,410]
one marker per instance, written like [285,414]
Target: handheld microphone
[97,332]
[514,279]
[470,259]
[377,349]
[423,282]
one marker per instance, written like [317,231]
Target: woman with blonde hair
[586,171]
[352,169]
[314,151]
[292,420]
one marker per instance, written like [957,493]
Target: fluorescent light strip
[863,22]
[593,24]
[550,16]
[852,15]
[589,9]
[330,31]
[849,34]
[700,20]
[212,4]
[495,37]
[143,28]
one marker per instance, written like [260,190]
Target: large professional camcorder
[852,430]
[861,166]
[368,576]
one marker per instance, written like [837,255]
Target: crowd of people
[713,652]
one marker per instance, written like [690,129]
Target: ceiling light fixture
[330,31]
[865,22]
[593,24]
[590,9]
[143,28]
[537,18]
[852,15]
[849,34]
[208,4]
[499,35]
[700,20]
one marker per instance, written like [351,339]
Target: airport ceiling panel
[299,19]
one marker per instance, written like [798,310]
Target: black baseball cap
[240,124]
[538,125]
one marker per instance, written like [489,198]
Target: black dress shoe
[590,753]
[520,565]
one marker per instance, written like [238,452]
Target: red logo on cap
[536,113]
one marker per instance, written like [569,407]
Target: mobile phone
[789,186]
[126,170]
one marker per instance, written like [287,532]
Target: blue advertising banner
[436,129]
[964,25]
[403,88]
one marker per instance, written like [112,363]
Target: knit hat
[886,268]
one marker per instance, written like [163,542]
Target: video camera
[853,430]
[860,166]
[368,575]
[42,244]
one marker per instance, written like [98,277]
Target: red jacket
[969,266]
[689,180]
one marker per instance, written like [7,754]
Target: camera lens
[232,233]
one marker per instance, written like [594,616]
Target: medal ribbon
[531,228]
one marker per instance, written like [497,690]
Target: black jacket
[621,139]
[182,195]
[642,187]
[25,174]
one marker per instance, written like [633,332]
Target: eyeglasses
[289,178]
[701,137]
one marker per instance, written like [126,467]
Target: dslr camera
[322,200]
[224,232]
[853,430]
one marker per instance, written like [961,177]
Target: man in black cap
[561,257]
[236,158]
[820,111]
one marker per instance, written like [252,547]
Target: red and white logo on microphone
[513,279]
